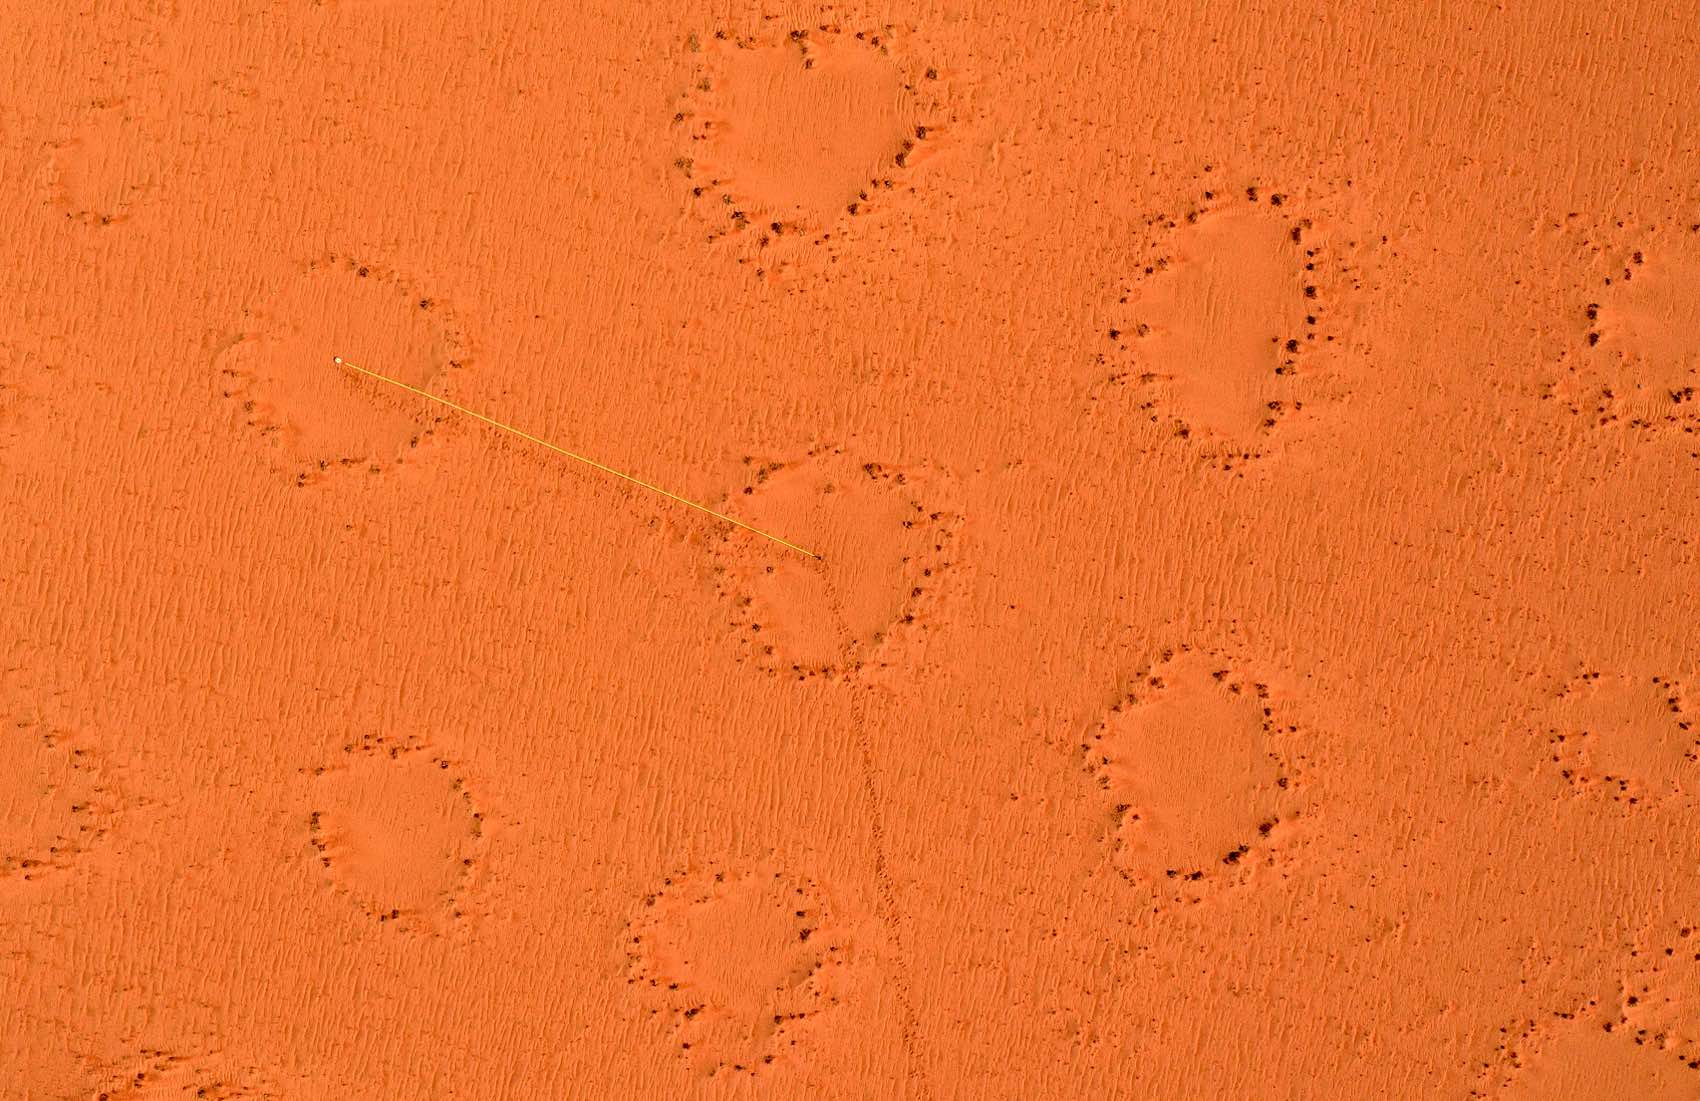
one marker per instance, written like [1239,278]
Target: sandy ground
[1254,452]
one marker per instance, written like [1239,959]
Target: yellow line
[340,362]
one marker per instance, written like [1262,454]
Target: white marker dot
[337,359]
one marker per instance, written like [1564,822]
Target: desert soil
[1253,453]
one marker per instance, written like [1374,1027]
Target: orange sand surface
[1253,451]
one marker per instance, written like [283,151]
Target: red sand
[1255,456]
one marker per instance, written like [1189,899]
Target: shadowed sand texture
[1247,643]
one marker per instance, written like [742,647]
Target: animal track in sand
[744,963]
[395,831]
[1588,1057]
[1192,763]
[1638,366]
[794,138]
[103,171]
[1226,333]
[1629,737]
[885,538]
[159,1076]
[316,418]
[55,804]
